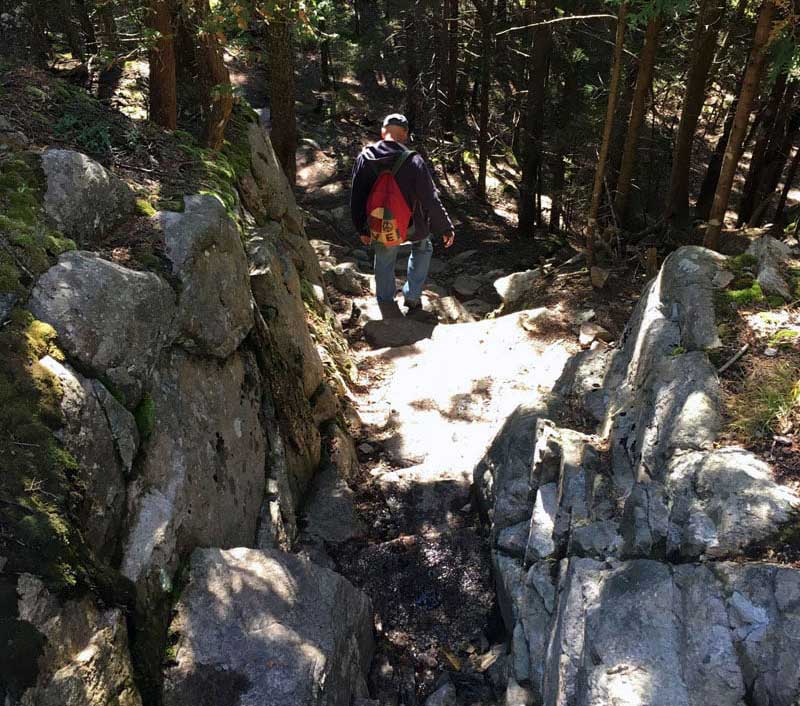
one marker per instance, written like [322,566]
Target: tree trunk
[780,209]
[597,188]
[281,81]
[758,160]
[711,178]
[702,51]
[163,98]
[644,78]
[325,56]
[413,102]
[217,95]
[566,110]
[40,45]
[68,26]
[111,68]
[750,85]
[486,10]
[452,66]
[86,27]
[777,154]
[533,124]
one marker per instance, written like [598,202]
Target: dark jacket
[414,180]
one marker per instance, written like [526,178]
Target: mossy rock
[38,493]
[30,243]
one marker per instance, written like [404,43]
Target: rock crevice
[623,594]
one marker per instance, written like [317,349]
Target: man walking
[428,216]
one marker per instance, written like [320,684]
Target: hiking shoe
[390,310]
[415,311]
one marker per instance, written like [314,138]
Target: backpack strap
[401,160]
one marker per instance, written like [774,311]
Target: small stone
[466,285]
[477,307]
[444,696]
[462,257]
[366,449]
[590,332]
[599,277]
[723,278]
[770,352]
[436,267]
[513,288]
[581,317]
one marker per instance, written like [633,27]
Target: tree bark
[566,110]
[750,85]
[283,133]
[66,15]
[644,78]
[86,27]
[163,97]
[768,124]
[780,209]
[325,57]
[613,90]
[40,45]
[452,66]
[413,108]
[702,50]
[486,11]
[217,96]
[111,68]
[533,125]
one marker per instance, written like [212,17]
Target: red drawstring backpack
[388,214]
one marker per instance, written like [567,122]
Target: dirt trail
[429,411]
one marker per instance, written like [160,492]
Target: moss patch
[145,208]
[27,243]
[219,172]
[145,415]
[38,493]
[325,332]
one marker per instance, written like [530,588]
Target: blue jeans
[418,264]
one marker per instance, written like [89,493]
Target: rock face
[102,436]
[593,558]
[111,320]
[84,659]
[268,628]
[205,248]
[200,483]
[82,198]
[277,290]
[270,197]
[192,407]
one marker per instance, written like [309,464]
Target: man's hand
[449,238]
[366,239]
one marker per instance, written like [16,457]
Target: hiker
[394,200]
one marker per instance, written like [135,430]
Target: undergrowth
[766,402]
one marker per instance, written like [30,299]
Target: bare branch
[558,19]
